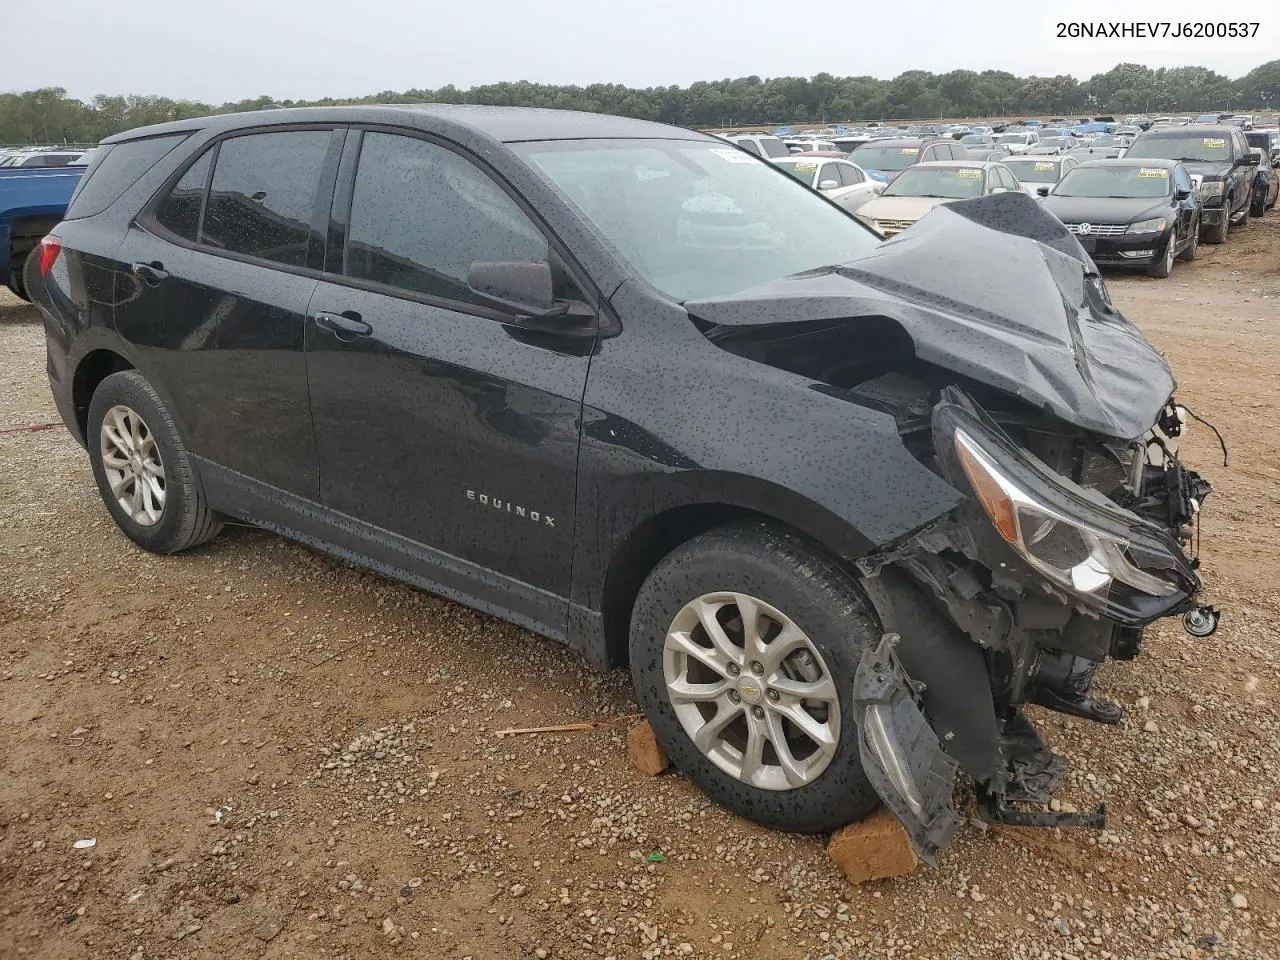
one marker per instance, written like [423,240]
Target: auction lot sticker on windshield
[732,156]
[1214,142]
[1043,165]
[910,151]
[805,167]
[969,174]
[1158,172]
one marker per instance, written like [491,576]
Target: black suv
[1219,161]
[843,506]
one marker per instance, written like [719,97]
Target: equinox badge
[497,503]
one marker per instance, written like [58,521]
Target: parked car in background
[32,199]
[42,158]
[884,160]
[809,145]
[1268,141]
[761,145]
[926,185]
[1048,146]
[1243,121]
[976,140]
[1130,213]
[1018,141]
[1221,166]
[1266,181]
[842,182]
[1033,173]
[1092,152]
[621,384]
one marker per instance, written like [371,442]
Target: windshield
[951,183]
[1199,146]
[695,219]
[1064,142]
[1117,182]
[891,159]
[1013,138]
[977,140]
[1034,171]
[802,170]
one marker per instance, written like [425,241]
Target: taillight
[49,248]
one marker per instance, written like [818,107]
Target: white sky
[304,49]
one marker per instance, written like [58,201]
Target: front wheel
[142,468]
[744,642]
[1164,266]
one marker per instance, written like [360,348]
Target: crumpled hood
[994,289]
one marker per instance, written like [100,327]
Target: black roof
[503,124]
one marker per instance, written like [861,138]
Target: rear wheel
[1189,252]
[142,468]
[1259,206]
[16,283]
[1218,232]
[744,642]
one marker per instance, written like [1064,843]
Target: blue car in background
[32,200]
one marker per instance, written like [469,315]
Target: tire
[16,283]
[795,580]
[1259,206]
[1244,217]
[183,518]
[1192,248]
[1164,266]
[1218,232]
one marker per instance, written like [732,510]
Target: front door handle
[345,326]
[150,273]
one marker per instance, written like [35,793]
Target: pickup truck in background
[32,200]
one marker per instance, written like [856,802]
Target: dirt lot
[281,756]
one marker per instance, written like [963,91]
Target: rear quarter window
[114,170]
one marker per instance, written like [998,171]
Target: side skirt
[390,554]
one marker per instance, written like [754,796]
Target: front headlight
[1154,225]
[1211,188]
[1067,551]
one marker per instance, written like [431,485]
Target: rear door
[212,293]
[440,420]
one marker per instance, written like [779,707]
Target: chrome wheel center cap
[751,689]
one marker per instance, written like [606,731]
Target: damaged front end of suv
[988,336]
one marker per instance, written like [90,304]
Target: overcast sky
[304,49]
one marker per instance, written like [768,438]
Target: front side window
[773,147]
[696,218]
[421,215]
[749,146]
[264,193]
[850,175]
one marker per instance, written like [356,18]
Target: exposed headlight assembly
[1074,541]
[1155,225]
[1068,552]
[1211,188]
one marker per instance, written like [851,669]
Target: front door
[438,420]
[211,293]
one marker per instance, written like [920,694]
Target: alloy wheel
[751,691]
[131,462]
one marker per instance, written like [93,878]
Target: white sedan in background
[1035,172]
[837,179]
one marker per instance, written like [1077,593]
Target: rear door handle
[345,326]
[150,273]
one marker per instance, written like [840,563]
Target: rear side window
[421,215]
[179,212]
[750,146]
[263,194]
[115,169]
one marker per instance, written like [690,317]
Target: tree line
[49,115]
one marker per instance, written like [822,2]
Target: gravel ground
[282,756]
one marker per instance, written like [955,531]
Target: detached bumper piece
[901,754]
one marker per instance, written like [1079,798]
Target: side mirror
[521,285]
[1250,159]
[828,184]
[1042,191]
[1181,193]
